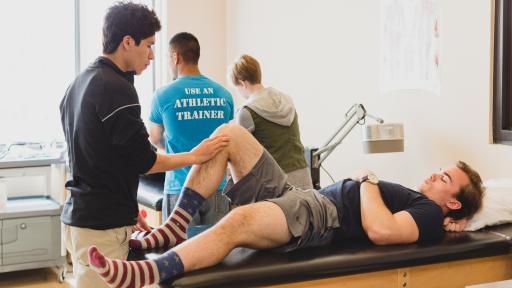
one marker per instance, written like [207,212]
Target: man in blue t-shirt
[183,114]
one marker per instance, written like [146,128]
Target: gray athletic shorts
[310,216]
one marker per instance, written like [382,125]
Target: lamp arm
[354,115]
[331,148]
[349,115]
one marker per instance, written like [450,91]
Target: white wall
[325,54]
[206,20]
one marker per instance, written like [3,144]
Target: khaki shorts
[310,216]
[113,243]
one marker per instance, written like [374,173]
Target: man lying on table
[273,214]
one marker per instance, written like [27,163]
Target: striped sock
[139,235]
[122,273]
[174,230]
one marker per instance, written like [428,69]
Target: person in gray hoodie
[272,119]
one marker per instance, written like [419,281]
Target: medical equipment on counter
[29,154]
[377,138]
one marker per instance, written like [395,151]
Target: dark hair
[470,196]
[187,46]
[128,19]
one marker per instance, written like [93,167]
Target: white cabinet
[30,234]
[31,239]
[30,227]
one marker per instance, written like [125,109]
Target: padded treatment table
[149,196]
[151,189]
[460,259]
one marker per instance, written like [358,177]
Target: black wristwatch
[371,178]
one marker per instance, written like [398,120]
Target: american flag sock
[174,230]
[122,273]
[169,265]
[139,234]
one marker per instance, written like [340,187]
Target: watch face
[373,179]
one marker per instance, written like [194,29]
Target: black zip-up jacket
[108,147]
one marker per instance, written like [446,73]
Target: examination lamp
[377,138]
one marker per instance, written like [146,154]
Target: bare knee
[236,223]
[231,129]
[221,129]
[243,150]
[239,137]
[237,218]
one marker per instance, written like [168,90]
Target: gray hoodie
[269,103]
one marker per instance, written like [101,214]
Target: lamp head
[383,138]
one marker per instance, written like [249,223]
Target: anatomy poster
[409,40]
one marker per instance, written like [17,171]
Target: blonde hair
[245,68]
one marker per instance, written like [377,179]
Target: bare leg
[260,225]
[242,153]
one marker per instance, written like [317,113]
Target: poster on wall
[409,40]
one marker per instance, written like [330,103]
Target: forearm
[376,218]
[157,142]
[203,152]
[156,135]
[166,162]
[160,147]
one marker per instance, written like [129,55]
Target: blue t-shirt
[425,212]
[189,109]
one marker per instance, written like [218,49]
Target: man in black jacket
[108,144]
